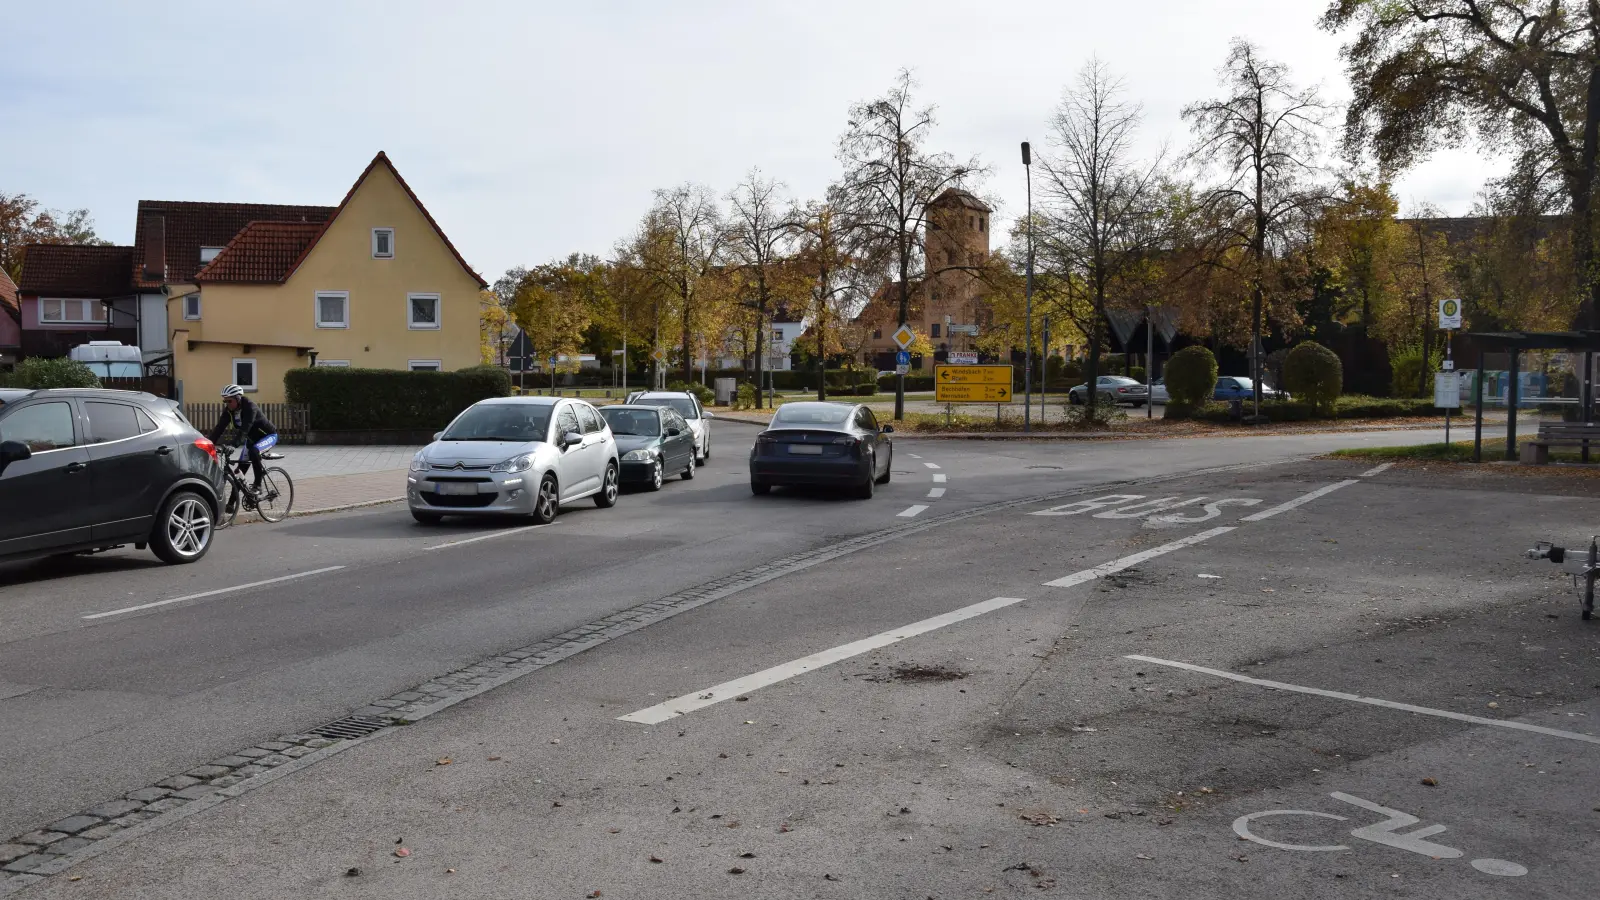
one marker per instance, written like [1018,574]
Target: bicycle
[273,500]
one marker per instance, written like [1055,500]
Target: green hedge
[343,398]
[913,383]
[1191,377]
[38,373]
[1314,373]
[1354,406]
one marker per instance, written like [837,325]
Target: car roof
[658,410]
[652,395]
[100,393]
[521,401]
[802,405]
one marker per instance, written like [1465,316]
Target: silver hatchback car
[515,456]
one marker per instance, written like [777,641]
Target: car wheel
[760,487]
[864,489]
[888,468]
[1138,403]
[1075,399]
[426,518]
[548,501]
[655,479]
[688,471]
[607,497]
[184,528]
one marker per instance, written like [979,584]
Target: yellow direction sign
[972,384]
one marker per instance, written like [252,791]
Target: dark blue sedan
[823,444]
[1237,387]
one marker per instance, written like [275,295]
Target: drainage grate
[351,727]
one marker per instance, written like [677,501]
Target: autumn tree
[832,264]
[1260,140]
[492,322]
[24,221]
[760,240]
[890,178]
[680,243]
[1515,74]
[553,305]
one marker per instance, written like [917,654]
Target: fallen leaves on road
[1430,782]
[1037,817]
[494,759]
[402,852]
[444,761]
[655,859]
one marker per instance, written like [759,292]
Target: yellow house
[374,284]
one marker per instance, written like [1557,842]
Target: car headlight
[515,464]
[644,455]
[419,463]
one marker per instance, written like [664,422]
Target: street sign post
[972,384]
[902,358]
[963,358]
[1450,314]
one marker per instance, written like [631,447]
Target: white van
[110,359]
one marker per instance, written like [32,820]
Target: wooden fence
[160,385]
[292,419]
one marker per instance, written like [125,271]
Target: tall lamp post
[1027,353]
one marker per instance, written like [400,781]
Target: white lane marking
[910,511]
[204,594]
[677,706]
[1117,565]
[938,479]
[935,493]
[1377,470]
[1298,501]
[931,465]
[488,537]
[914,456]
[1370,701]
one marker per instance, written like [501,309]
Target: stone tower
[957,242]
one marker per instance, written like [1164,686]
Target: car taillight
[1122,390]
[206,445]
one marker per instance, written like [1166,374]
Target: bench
[1558,434]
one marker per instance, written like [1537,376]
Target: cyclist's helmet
[232,390]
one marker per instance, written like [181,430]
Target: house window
[244,373]
[777,334]
[424,365]
[72,310]
[207,254]
[424,311]
[981,225]
[191,306]
[383,243]
[877,334]
[333,309]
[950,257]
[933,330]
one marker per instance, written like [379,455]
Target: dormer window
[383,243]
[207,254]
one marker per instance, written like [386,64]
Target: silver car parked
[688,406]
[515,456]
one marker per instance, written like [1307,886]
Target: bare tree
[681,240]
[890,178]
[1102,217]
[1262,139]
[833,272]
[759,247]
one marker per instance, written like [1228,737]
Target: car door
[46,499]
[870,435]
[571,468]
[131,463]
[676,449]
[598,444]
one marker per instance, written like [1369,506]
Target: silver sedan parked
[515,456]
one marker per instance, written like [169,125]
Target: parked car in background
[515,456]
[654,441]
[1112,389]
[1158,392]
[822,443]
[688,406]
[1238,387]
[91,470]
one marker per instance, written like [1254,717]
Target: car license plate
[806,449]
[449,487]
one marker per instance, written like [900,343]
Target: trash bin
[726,389]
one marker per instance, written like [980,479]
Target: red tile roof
[262,253]
[8,296]
[64,270]
[185,227]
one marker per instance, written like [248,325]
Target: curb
[295,514]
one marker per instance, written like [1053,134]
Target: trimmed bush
[1314,375]
[1191,377]
[746,398]
[346,399]
[37,373]
[866,389]
[1355,406]
[706,395]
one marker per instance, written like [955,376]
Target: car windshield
[683,405]
[812,414]
[646,422]
[520,422]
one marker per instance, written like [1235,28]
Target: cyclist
[256,435]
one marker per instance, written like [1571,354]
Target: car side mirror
[437,435]
[13,451]
[888,429]
[571,439]
[708,414]
[674,432]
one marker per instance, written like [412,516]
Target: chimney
[155,246]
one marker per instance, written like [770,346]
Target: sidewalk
[328,493]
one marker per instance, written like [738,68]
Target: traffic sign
[972,384]
[658,355]
[902,358]
[1447,390]
[1450,314]
[963,358]
[904,336]
[902,369]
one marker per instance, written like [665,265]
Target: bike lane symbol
[1387,833]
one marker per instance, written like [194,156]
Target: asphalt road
[1041,712]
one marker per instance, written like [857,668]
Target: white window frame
[316,309]
[214,251]
[438,312]
[255,372]
[105,318]
[375,253]
[195,297]
[427,365]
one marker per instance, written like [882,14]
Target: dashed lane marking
[203,594]
[1377,470]
[1298,501]
[914,456]
[1370,701]
[931,465]
[935,493]
[1117,565]
[911,511]
[939,479]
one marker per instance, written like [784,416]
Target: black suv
[84,470]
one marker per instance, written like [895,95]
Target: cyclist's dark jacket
[251,424]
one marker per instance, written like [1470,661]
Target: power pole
[1027,353]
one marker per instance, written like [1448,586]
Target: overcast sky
[533,129]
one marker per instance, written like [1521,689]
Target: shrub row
[1351,407]
[371,399]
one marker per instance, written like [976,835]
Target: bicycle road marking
[204,594]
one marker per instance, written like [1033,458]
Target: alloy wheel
[189,527]
[547,499]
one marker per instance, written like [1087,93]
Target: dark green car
[654,442]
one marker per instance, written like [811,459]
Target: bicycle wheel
[275,497]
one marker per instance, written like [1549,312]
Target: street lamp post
[1027,352]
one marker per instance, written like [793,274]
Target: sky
[534,129]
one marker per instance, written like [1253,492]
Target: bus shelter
[1550,373]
